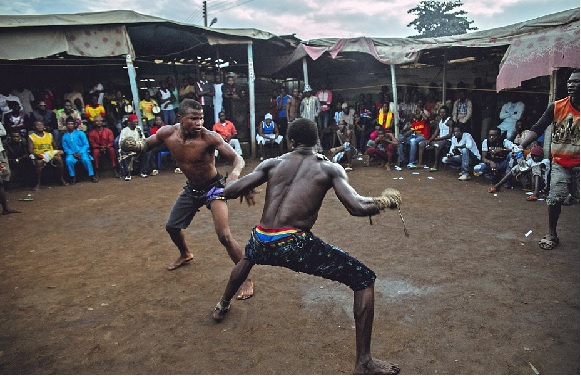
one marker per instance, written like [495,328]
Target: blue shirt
[279,99]
[75,142]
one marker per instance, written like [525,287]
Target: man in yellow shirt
[42,149]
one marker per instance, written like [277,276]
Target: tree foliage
[439,19]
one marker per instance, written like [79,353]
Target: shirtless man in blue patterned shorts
[296,185]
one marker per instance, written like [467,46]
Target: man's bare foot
[10,211]
[246,290]
[376,367]
[36,189]
[220,311]
[180,261]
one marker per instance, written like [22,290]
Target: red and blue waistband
[273,234]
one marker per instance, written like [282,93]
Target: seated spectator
[127,159]
[93,108]
[268,132]
[14,120]
[440,140]
[48,117]
[382,147]
[42,151]
[17,153]
[62,116]
[534,169]
[76,148]
[463,152]
[347,151]
[101,142]
[419,131]
[495,156]
[227,130]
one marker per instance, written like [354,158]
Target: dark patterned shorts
[303,252]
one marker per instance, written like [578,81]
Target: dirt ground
[85,290]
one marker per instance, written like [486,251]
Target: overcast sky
[308,19]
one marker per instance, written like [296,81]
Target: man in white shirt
[126,160]
[495,156]
[510,113]
[463,152]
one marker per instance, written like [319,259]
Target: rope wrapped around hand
[131,145]
[390,199]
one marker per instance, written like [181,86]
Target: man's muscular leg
[363,311]
[220,215]
[177,236]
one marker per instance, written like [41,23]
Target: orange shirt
[565,138]
[225,130]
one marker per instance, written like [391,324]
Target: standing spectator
[48,97]
[94,108]
[281,102]
[218,99]
[463,152]
[118,111]
[205,93]
[101,141]
[462,110]
[99,90]
[227,130]
[310,106]
[42,151]
[293,106]
[495,156]
[229,94]
[26,99]
[510,113]
[76,148]
[385,117]
[188,89]
[166,100]
[3,174]
[325,97]
[272,106]
[148,106]
[174,90]
[564,115]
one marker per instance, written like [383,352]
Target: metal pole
[549,131]
[444,79]
[252,104]
[205,12]
[394,89]
[305,71]
[134,92]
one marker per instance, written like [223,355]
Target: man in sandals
[296,185]
[193,146]
[565,149]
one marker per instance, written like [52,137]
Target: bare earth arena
[85,288]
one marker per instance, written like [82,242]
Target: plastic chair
[160,156]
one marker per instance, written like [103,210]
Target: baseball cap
[268,116]
[132,117]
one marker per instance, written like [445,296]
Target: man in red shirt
[101,141]
[227,130]
[418,132]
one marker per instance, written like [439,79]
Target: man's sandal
[532,198]
[548,242]
[220,311]
[493,190]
